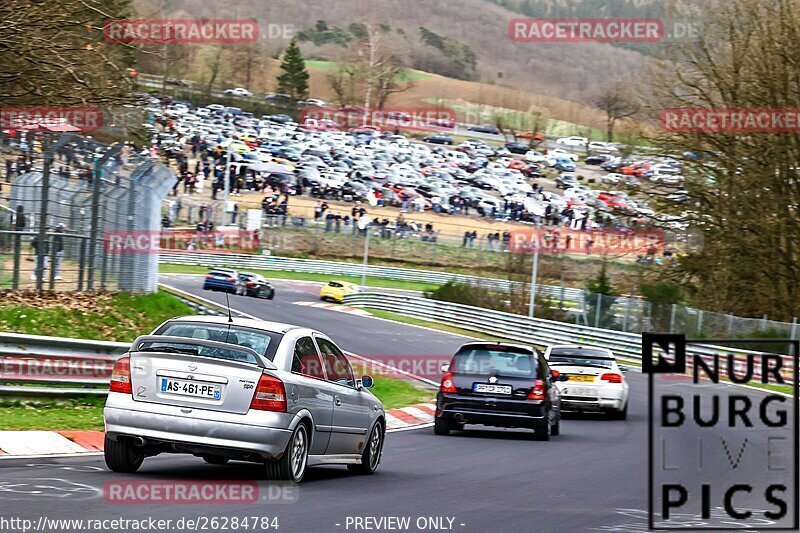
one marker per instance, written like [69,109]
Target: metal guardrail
[65,366]
[335,268]
[35,365]
[536,331]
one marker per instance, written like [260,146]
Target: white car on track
[595,381]
[238,91]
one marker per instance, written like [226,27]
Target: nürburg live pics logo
[723,433]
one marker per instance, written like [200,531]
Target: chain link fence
[64,199]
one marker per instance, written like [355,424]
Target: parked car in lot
[336,290]
[555,153]
[517,148]
[225,280]
[225,389]
[534,156]
[257,286]
[594,381]
[564,163]
[499,384]
[597,159]
[565,181]
[597,146]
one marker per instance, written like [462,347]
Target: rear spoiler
[261,361]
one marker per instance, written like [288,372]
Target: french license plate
[581,379]
[191,388]
[488,388]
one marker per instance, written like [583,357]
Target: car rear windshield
[581,357]
[494,360]
[261,342]
[218,273]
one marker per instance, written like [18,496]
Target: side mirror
[623,368]
[555,375]
[367,382]
[563,377]
[445,367]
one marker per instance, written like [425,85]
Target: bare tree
[372,68]
[55,53]
[618,103]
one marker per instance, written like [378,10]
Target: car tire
[441,426]
[555,430]
[542,430]
[122,456]
[215,459]
[293,464]
[371,457]
[622,414]
[271,295]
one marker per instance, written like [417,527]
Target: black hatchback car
[256,285]
[499,384]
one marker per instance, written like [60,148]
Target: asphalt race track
[591,478]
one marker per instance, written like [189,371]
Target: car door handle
[337,400]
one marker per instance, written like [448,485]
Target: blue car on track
[224,279]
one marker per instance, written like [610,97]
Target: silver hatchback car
[241,389]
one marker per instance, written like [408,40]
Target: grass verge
[108,317]
[396,393]
[52,415]
[281,274]
[396,317]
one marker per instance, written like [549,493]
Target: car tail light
[270,395]
[209,276]
[539,391]
[250,284]
[121,376]
[447,383]
[611,378]
[230,279]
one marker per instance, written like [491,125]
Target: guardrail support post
[627,311]
[597,310]
[17,252]
[700,322]
[672,318]
[366,256]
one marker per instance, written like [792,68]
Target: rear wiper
[169,349]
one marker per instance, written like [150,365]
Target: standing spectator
[58,248]
[467,235]
[436,202]
[35,244]
[589,243]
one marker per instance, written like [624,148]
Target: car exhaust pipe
[459,418]
[139,441]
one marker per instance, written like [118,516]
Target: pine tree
[294,78]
